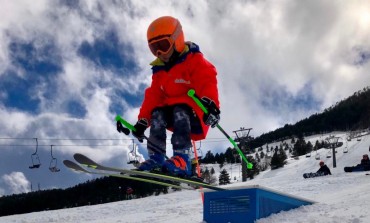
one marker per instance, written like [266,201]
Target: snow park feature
[247,204]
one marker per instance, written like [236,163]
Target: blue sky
[68,67]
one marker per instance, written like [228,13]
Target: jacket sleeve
[320,170]
[153,97]
[203,78]
[328,170]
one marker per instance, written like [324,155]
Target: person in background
[365,162]
[364,165]
[324,169]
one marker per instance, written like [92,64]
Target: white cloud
[255,45]
[17,182]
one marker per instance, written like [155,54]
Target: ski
[74,166]
[86,161]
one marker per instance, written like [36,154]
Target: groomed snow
[341,197]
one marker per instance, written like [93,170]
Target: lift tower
[242,137]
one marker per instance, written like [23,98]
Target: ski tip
[73,166]
[67,162]
[77,154]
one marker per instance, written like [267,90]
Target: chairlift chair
[132,155]
[35,158]
[199,151]
[308,155]
[317,157]
[53,162]
[345,150]
[328,155]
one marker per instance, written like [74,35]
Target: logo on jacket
[181,81]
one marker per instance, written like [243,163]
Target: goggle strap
[177,32]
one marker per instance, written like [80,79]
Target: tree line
[97,191]
[350,114]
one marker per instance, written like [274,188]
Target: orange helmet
[163,33]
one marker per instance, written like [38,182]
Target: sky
[67,68]
[340,197]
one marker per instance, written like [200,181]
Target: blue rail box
[246,205]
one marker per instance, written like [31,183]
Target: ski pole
[198,169]
[132,128]
[191,93]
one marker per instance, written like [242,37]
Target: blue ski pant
[175,117]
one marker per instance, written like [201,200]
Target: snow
[341,197]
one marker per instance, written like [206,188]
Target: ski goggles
[162,45]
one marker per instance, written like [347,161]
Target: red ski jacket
[170,86]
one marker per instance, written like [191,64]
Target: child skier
[179,67]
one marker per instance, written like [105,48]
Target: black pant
[176,117]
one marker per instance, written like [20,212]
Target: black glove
[122,129]
[140,127]
[213,116]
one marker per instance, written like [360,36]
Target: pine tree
[262,154]
[209,158]
[300,147]
[229,155]
[283,155]
[213,171]
[258,158]
[224,177]
[206,175]
[278,159]
[275,162]
[255,170]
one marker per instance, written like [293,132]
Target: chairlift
[199,151]
[53,162]
[132,155]
[317,156]
[35,158]
[345,150]
[308,155]
[328,155]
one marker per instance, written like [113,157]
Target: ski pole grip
[125,123]
[191,93]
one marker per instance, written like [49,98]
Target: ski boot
[155,162]
[180,164]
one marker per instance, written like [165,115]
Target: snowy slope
[341,197]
